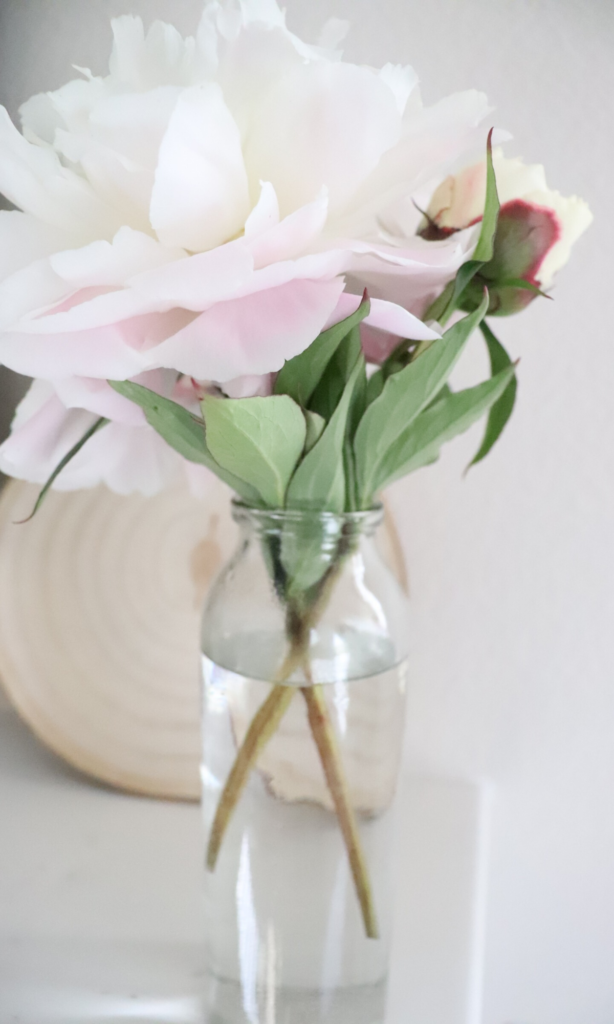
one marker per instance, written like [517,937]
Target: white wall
[512,568]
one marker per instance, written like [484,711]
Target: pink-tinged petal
[198,282]
[97,396]
[385,316]
[126,458]
[249,387]
[44,431]
[252,335]
[323,124]
[28,291]
[265,214]
[377,345]
[200,197]
[33,178]
[113,263]
[291,237]
[115,352]
[192,284]
[24,240]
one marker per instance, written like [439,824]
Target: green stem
[265,724]
[262,728]
[326,742]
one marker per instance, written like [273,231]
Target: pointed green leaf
[375,385]
[183,432]
[102,422]
[451,298]
[446,419]
[327,395]
[259,440]
[404,396]
[486,242]
[299,377]
[502,409]
[315,429]
[319,482]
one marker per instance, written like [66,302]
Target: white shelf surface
[100,909]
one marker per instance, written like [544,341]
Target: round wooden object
[100,602]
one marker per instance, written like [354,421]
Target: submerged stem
[328,749]
[262,728]
[265,723]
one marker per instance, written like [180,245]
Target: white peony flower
[206,208]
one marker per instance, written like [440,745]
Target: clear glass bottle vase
[304,683]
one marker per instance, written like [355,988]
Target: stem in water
[326,742]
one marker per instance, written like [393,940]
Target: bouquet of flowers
[237,253]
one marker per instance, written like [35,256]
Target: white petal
[24,239]
[39,118]
[253,335]
[515,178]
[113,263]
[434,138]
[265,214]
[322,125]
[250,66]
[200,197]
[401,81]
[143,62]
[133,124]
[293,236]
[574,217]
[33,179]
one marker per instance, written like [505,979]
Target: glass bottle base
[360,1004]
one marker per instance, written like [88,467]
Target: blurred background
[512,568]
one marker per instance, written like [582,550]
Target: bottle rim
[279,517]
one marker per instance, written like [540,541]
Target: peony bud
[536,230]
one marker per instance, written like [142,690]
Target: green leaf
[259,440]
[445,391]
[299,377]
[451,299]
[315,429]
[404,396]
[309,547]
[102,422]
[445,419]
[528,286]
[327,395]
[319,482]
[375,385]
[486,243]
[501,411]
[183,432]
